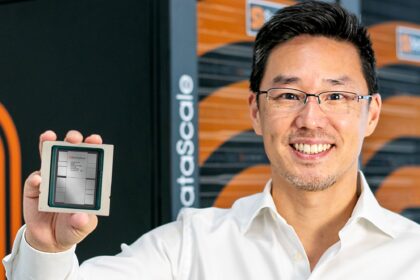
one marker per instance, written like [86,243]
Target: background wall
[391,157]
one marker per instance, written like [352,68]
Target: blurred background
[166,82]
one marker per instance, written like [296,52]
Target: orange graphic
[221,116]
[245,183]
[11,141]
[400,117]
[2,200]
[400,190]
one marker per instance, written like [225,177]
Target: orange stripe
[400,189]
[396,110]
[249,181]
[3,211]
[15,187]
[221,22]
[222,115]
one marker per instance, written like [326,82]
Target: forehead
[313,60]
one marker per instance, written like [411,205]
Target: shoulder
[402,226]
[212,217]
[203,222]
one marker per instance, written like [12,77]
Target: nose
[311,115]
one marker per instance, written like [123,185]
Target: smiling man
[313,139]
[314,99]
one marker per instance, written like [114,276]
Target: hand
[54,232]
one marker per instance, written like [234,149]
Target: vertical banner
[183,98]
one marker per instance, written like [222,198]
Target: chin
[312,183]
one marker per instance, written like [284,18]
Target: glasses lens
[338,101]
[284,99]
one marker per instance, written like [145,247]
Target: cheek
[351,131]
[269,124]
[275,129]
[343,124]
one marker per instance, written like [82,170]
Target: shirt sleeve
[26,262]
[156,255]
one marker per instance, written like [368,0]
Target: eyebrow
[339,81]
[281,79]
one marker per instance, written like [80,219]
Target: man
[314,99]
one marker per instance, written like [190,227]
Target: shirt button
[298,257]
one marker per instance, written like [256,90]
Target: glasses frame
[305,100]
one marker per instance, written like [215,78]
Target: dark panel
[86,65]
[395,80]
[377,11]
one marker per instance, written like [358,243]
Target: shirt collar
[367,207]
[247,209]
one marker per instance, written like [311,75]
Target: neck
[316,216]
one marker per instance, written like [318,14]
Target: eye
[286,96]
[342,96]
[335,96]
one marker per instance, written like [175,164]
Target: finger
[48,135]
[94,139]
[74,136]
[83,223]
[32,183]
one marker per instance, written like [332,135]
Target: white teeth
[311,149]
[314,149]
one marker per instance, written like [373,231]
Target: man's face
[310,148]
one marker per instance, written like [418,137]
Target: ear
[254,113]
[373,114]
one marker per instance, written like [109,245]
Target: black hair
[317,19]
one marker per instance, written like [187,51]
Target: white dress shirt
[249,241]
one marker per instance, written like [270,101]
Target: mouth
[311,149]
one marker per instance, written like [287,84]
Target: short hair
[316,19]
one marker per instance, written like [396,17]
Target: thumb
[31,189]
[83,223]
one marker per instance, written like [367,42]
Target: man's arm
[44,247]
[26,262]
[156,255]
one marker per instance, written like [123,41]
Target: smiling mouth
[311,149]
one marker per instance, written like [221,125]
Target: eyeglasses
[288,100]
